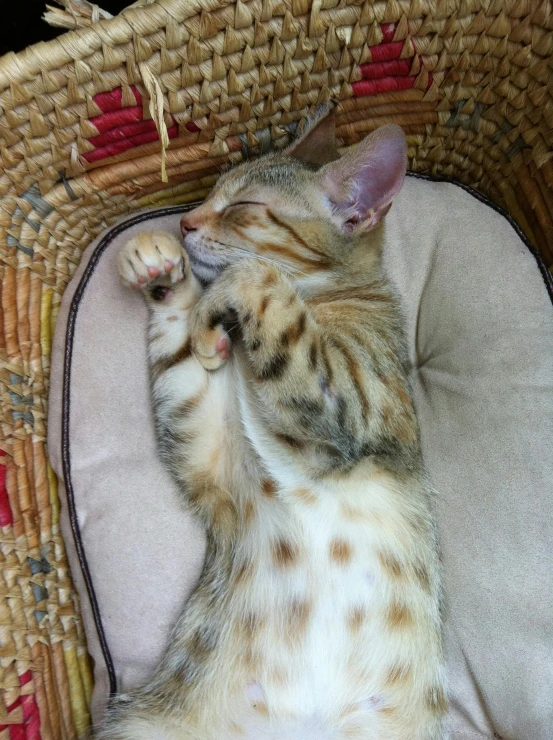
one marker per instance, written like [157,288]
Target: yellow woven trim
[77,692]
[86,674]
[54,498]
[45,326]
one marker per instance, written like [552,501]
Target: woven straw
[469,81]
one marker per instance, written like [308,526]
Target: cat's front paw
[210,341]
[152,256]
[211,345]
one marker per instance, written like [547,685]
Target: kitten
[283,411]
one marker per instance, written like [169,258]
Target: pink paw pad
[222,347]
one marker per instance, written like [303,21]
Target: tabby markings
[290,441]
[298,617]
[398,674]
[313,357]
[250,624]
[355,373]
[160,366]
[268,488]
[293,333]
[242,574]
[263,306]
[423,578]
[306,496]
[284,553]
[390,564]
[321,258]
[340,551]
[356,618]
[249,512]
[399,616]
[275,367]
[189,405]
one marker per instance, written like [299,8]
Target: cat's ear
[317,145]
[362,184]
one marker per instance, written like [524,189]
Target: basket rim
[74,45]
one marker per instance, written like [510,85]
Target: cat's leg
[139,727]
[317,389]
[189,403]
[189,411]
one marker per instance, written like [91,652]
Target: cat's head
[303,208]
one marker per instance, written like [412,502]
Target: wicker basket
[81,119]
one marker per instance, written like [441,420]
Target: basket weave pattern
[81,117]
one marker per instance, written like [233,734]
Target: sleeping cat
[283,411]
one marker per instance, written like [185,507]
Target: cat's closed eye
[245,203]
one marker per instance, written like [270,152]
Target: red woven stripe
[31,717]
[112,100]
[116,118]
[123,132]
[384,52]
[388,29]
[378,70]
[25,678]
[373,87]
[30,728]
[111,150]
[6,516]
[17,732]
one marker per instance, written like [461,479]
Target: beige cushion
[480,328]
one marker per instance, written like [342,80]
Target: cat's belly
[309,644]
[317,643]
[307,608]
[252,719]
[313,727]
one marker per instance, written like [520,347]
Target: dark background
[21,24]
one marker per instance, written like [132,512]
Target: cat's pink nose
[185,226]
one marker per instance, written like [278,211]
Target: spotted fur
[284,413]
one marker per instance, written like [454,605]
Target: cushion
[479,322]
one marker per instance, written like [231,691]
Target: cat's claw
[152,256]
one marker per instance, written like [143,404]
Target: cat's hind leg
[140,726]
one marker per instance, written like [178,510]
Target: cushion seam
[546,275]
[66,410]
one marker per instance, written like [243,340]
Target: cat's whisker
[229,329]
[285,268]
[289,269]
